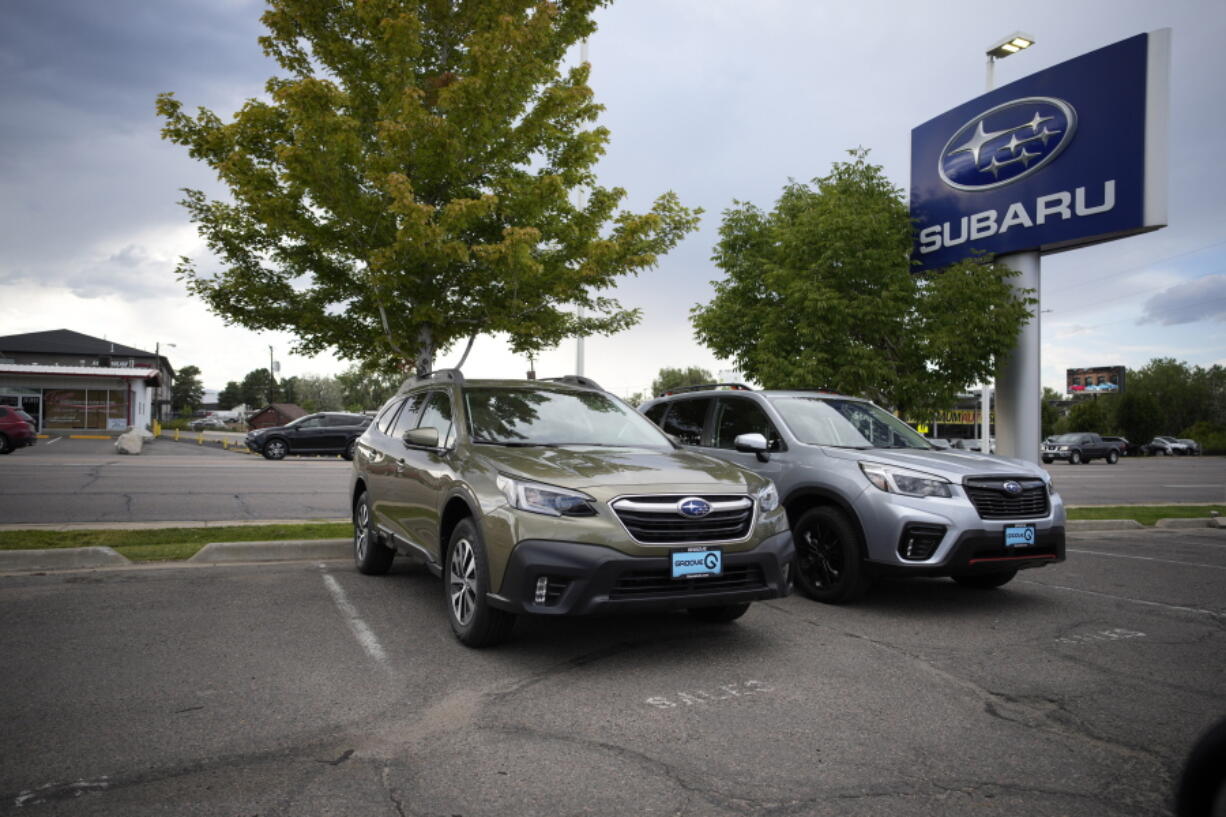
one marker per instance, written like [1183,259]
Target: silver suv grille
[990,498]
[657,520]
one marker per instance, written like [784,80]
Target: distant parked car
[973,444]
[1192,447]
[1166,446]
[207,423]
[329,432]
[16,430]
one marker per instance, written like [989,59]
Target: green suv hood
[582,467]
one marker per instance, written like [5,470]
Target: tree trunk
[424,362]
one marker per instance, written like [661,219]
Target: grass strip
[168,544]
[1145,514]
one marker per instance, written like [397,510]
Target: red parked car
[16,429]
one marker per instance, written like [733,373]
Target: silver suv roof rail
[575,380]
[707,387]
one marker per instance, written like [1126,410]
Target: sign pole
[1018,379]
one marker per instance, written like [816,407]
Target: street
[307,689]
[79,481]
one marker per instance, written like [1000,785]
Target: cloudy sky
[715,99]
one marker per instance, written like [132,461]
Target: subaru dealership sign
[1068,156]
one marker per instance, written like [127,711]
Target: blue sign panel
[1067,156]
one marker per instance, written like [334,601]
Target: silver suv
[867,495]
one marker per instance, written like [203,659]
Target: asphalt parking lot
[308,689]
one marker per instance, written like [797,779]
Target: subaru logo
[693,507]
[1007,143]
[1012,488]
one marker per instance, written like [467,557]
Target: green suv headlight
[892,479]
[535,497]
[768,498]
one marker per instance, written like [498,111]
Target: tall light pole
[580,203]
[1018,389]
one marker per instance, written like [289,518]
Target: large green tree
[408,183]
[187,392]
[230,396]
[819,293]
[669,379]
[365,390]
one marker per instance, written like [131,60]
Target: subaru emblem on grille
[694,507]
[1012,488]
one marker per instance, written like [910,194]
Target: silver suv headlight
[550,500]
[895,480]
[768,498]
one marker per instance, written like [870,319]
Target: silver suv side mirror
[752,443]
[421,437]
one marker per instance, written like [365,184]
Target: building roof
[290,410]
[65,342]
[127,373]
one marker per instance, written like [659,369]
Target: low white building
[69,382]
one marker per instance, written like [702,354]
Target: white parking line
[1147,559]
[361,632]
[1179,608]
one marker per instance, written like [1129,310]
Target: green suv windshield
[521,416]
[846,424]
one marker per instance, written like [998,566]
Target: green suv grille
[658,520]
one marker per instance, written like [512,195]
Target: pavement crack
[348,753]
[392,795]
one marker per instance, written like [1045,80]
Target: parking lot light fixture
[1015,42]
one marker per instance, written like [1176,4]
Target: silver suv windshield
[528,416]
[846,423]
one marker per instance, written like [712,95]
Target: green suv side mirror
[421,437]
[752,443]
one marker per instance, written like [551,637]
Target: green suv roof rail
[453,375]
[707,387]
[575,380]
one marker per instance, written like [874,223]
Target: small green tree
[187,392]
[669,379]
[366,389]
[258,389]
[315,393]
[1049,412]
[230,396]
[1091,414]
[819,293]
[408,183]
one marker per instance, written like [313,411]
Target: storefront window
[93,409]
[64,408]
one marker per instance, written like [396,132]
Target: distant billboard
[1093,380]
[1071,155]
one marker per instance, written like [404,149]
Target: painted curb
[283,551]
[1074,525]
[60,559]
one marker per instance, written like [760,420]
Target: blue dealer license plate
[1019,536]
[689,564]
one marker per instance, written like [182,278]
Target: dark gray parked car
[328,432]
[866,494]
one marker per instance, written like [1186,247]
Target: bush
[1211,436]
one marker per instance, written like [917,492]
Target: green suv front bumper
[582,579]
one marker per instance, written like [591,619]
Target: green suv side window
[735,416]
[438,415]
[407,418]
[685,420]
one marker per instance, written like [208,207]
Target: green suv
[556,498]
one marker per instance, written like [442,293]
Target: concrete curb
[1074,525]
[283,551]
[16,561]
[1187,523]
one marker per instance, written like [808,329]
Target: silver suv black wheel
[829,565]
